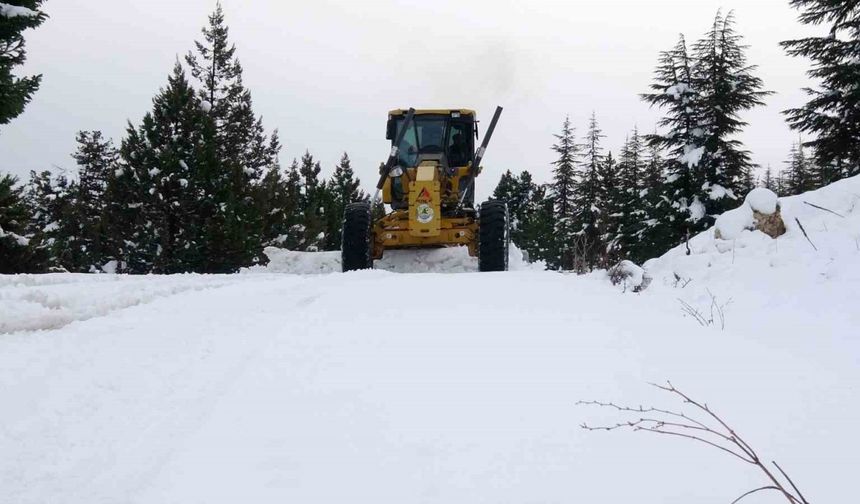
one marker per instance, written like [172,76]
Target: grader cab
[429,184]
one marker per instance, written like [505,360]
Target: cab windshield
[436,135]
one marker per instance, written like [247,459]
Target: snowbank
[38,302]
[443,260]
[819,274]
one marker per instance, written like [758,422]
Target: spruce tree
[164,157]
[769,181]
[611,216]
[342,189]
[312,205]
[832,115]
[631,221]
[296,212]
[275,206]
[241,151]
[726,87]
[16,16]
[53,223]
[587,202]
[531,225]
[97,159]
[563,194]
[508,190]
[537,228]
[19,252]
[798,175]
[516,192]
[654,231]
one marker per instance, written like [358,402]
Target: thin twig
[825,209]
[695,438]
[804,234]
[754,491]
[680,421]
[787,477]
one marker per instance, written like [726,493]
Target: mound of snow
[442,260]
[629,276]
[818,274]
[762,200]
[731,224]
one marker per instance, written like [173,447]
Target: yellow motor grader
[429,184]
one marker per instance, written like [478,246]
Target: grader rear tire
[357,237]
[494,237]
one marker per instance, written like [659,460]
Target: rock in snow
[760,211]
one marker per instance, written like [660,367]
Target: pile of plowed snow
[818,272]
[441,260]
[36,302]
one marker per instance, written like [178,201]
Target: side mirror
[391,129]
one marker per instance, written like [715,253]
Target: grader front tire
[494,237]
[357,240]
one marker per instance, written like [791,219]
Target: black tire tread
[357,237]
[494,237]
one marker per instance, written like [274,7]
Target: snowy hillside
[390,387]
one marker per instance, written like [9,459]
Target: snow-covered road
[379,387]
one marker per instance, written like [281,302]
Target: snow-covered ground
[403,387]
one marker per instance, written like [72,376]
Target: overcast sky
[326,72]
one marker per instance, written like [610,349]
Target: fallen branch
[825,209]
[804,234]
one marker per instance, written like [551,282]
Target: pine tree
[19,252]
[342,189]
[563,194]
[587,202]
[16,16]
[674,90]
[242,153]
[832,114]
[726,87]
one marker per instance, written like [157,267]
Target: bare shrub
[717,314]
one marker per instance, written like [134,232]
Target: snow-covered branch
[11,11]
